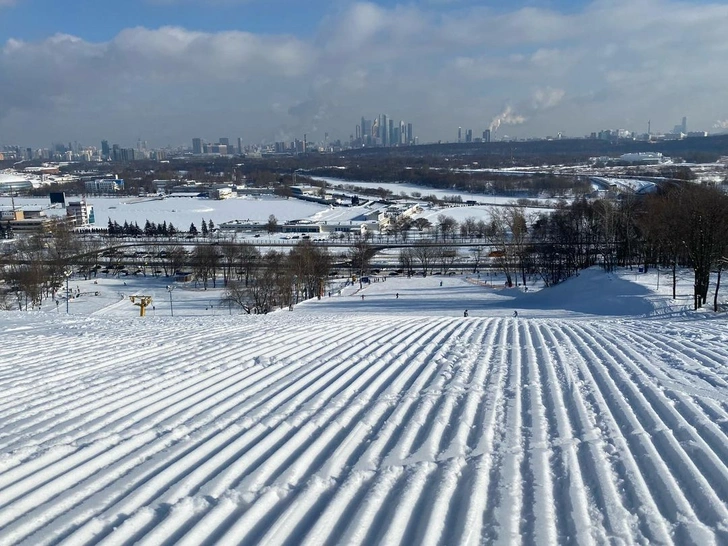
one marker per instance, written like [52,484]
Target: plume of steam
[541,99]
[508,117]
[721,124]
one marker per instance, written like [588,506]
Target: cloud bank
[528,71]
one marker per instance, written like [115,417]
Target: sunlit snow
[598,415]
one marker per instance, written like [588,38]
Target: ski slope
[363,427]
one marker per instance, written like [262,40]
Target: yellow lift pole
[143,302]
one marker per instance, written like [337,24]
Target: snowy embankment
[363,428]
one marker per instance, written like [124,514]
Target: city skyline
[381,131]
[169,70]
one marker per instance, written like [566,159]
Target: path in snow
[363,429]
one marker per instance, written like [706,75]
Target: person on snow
[465,314]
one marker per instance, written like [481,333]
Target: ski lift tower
[142,302]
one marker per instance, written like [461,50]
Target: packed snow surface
[180,211]
[599,415]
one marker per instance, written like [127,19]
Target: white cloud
[610,63]
[544,98]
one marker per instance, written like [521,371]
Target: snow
[399,187]
[597,416]
[181,211]
[629,184]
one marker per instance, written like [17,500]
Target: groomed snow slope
[363,428]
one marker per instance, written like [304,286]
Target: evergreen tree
[171,230]
[210,225]
[110,228]
[193,229]
[204,228]
[163,229]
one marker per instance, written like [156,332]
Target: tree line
[683,226]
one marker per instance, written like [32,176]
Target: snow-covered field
[409,189]
[181,211]
[599,415]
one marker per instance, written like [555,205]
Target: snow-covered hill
[368,421]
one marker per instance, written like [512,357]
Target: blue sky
[94,20]
[168,70]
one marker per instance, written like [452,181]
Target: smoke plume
[508,117]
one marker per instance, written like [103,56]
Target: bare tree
[249,257]
[447,225]
[175,258]
[264,287]
[425,253]
[406,260]
[88,257]
[477,257]
[310,265]
[422,224]
[704,232]
[237,294]
[205,261]
[448,255]
[230,254]
[500,239]
[360,254]
[469,227]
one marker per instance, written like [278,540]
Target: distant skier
[465,314]
[362,297]
[440,283]
[515,313]
[396,296]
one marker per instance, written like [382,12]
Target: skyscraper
[225,141]
[469,135]
[410,136]
[105,149]
[486,135]
[240,146]
[197,146]
[460,134]
[384,129]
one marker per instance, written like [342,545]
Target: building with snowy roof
[13,183]
[643,158]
